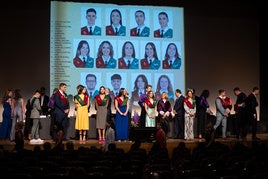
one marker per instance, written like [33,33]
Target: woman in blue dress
[121,116]
[5,127]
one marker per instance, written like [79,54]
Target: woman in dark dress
[5,127]
[121,117]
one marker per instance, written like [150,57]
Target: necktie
[116,31]
[90,94]
[105,62]
[116,93]
[170,63]
[90,30]
[150,61]
[128,63]
[162,33]
[84,59]
[138,33]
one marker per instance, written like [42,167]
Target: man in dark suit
[61,112]
[240,113]
[179,111]
[251,104]
[44,101]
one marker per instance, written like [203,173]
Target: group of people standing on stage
[18,112]
[190,110]
[187,111]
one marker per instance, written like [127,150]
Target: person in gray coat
[35,115]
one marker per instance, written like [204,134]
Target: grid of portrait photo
[124,46]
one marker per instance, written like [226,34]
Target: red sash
[101,102]
[188,103]
[86,98]
[120,102]
[62,97]
[226,102]
[149,104]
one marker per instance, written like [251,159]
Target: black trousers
[179,127]
[142,116]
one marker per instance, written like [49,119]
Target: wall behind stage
[222,47]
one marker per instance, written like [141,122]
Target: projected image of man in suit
[91,28]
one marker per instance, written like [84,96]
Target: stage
[125,145]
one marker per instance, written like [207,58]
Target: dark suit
[251,104]
[240,114]
[62,119]
[179,118]
[44,106]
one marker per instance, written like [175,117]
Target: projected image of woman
[139,87]
[128,60]
[164,31]
[164,85]
[172,58]
[105,56]
[82,58]
[150,60]
[116,28]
